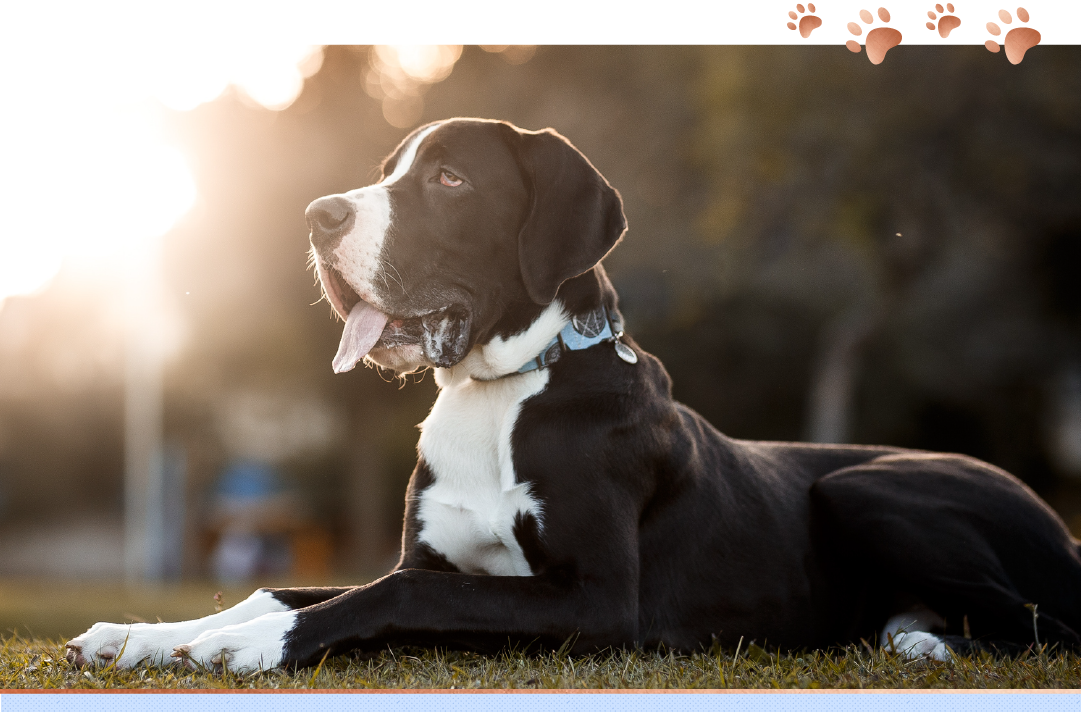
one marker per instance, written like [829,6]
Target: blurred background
[819,249]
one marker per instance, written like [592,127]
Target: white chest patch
[467,514]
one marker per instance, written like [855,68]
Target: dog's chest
[467,514]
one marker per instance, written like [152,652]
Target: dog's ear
[576,217]
[446,336]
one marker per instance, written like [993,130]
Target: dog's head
[468,236]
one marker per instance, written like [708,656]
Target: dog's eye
[449,179]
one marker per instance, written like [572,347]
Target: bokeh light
[272,75]
[424,63]
[87,170]
[399,75]
[512,54]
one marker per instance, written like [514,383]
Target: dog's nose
[329,219]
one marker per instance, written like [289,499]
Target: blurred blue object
[253,514]
[249,479]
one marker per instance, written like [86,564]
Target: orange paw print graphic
[946,23]
[1018,40]
[807,23]
[879,40]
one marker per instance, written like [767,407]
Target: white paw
[244,647]
[908,634]
[919,644]
[126,644]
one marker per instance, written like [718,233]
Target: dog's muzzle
[329,219]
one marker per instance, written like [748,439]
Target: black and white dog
[560,493]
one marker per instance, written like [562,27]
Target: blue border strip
[600,701]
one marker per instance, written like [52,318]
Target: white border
[629,22]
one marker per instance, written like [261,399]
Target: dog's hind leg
[961,537]
[912,634]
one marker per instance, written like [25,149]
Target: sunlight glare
[149,187]
[272,75]
[85,171]
[93,193]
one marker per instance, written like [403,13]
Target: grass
[36,664]
[54,613]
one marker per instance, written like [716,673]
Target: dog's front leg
[430,608]
[130,644]
[585,585]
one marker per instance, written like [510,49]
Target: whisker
[398,278]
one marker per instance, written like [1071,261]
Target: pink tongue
[362,330]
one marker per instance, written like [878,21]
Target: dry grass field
[37,664]
[37,617]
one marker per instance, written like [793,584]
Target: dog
[560,493]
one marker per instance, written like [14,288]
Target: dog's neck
[503,356]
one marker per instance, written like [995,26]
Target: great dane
[561,494]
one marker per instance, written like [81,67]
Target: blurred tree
[818,247]
[908,209]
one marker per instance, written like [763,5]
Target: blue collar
[580,333]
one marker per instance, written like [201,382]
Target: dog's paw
[245,647]
[919,644]
[125,644]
